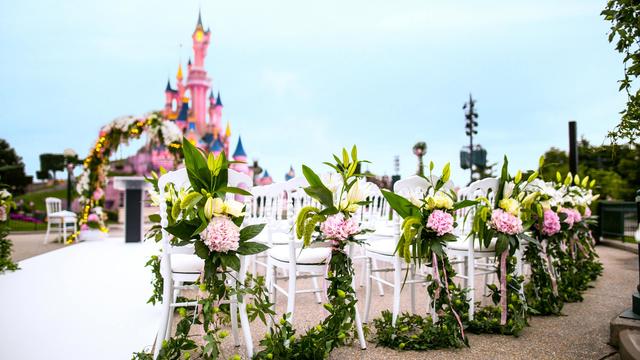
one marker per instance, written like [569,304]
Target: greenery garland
[539,291]
[93,180]
[6,204]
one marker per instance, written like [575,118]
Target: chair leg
[64,232]
[316,286]
[233,304]
[363,342]
[269,281]
[367,288]
[46,236]
[291,295]
[246,328]
[471,277]
[380,287]
[167,294]
[397,285]
[412,268]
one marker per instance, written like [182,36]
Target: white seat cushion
[382,246]
[462,244]
[63,214]
[304,256]
[277,238]
[186,264]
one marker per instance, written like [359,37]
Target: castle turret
[240,155]
[192,134]
[169,96]
[179,82]
[290,175]
[197,81]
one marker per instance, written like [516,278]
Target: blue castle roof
[266,174]
[192,126]
[239,149]
[218,101]
[217,146]
[168,88]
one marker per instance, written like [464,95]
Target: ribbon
[446,283]
[503,287]
[436,278]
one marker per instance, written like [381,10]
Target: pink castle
[199,117]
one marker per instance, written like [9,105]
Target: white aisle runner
[86,301]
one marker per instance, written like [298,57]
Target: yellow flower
[440,201]
[512,206]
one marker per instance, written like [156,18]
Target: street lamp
[420,150]
[70,158]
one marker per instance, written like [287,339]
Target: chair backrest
[487,188]
[414,182]
[53,205]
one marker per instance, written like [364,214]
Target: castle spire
[218,101]
[227,132]
[239,150]
[168,88]
[179,74]
[211,97]
[199,25]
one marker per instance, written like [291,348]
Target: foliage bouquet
[428,225]
[201,215]
[339,196]
[6,204]
[505,221]
[578,264]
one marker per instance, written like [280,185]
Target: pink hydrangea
[506,223]
[550,223]
[337,227]
[441,222]
[84,227]
[3,213]
[98,193]
[573,216]
[93,218]
[587,212]
[221,235]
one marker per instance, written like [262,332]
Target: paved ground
[581,334]
[26,245]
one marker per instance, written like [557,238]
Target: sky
[300,80]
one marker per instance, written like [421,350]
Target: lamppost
[70,157]
[420,150]
[471,115]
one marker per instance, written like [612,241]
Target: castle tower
[180,84]
[240,155]
[169,96]
[197,81]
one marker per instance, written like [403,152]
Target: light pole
[70,158]
[420,150]
[471,115]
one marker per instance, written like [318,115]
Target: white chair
[179,265]
[300,262]
[475,258]
[384,250]
[58,218]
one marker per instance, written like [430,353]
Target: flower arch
[92,182]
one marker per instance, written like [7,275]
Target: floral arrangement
[340,195]
[92,182]
[505,221]
[6,204]
[429,222]
[199,215]
[559,273]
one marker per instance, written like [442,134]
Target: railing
[617,220]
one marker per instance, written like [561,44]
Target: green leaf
[201,250]
[196,165]
[329,211]
[183,229]
[251,231]
[464,204]
[234,190]
[155,218]
[250,248]
[402,206]
[230,260]
[322,194]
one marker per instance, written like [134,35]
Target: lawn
[38,197]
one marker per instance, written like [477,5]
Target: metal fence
[617,220]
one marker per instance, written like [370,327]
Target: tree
[624,16]
[615,171]
[49,165]
[420,150]
[12,169]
